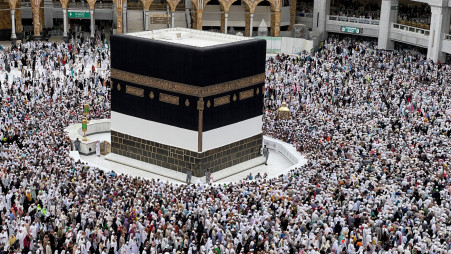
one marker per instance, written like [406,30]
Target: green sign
[78,14]
[352,30]
[394,8]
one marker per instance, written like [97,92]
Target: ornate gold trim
[208,104]
[187,103]
[185,88]
[200,125]
[258,91]
[151,95]
[246,94]
[134,91]
[199,130]
[171,99]
[200,104]
[118,87]
[221,101]
[234,97]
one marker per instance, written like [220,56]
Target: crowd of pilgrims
[374,125]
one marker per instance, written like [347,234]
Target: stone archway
[225,7]
[146,4]
[119,6]
[12,7]
[146,7]
[276,7]
[173,5]
[250,10]
[197,16]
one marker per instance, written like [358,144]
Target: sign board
[352,30]
[160,19]
[394,8]
[78,14]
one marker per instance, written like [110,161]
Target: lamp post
[86,110]
[283,113]
[84,128]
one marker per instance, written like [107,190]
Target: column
[440,18]
[119,27]
[221,29]
[292,14]
[146,20]
[199,19]
[18,16]
[275,23]
[124,21]
[247,20]
[13,27]
[172,18]
[389,15]
[251,25]
[65,38]
[36,20]
[226,18]
[321,10]
[188,13]
[91,16]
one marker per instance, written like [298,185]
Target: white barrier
[295,45]
[287,45]
[94,126]
[287,150]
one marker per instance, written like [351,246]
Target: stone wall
[180,160]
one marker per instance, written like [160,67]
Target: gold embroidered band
[134,91]
[186,89]
[221,100]
[169,98]
[246,94]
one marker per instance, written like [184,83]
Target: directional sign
[352,30]
[78,14]
[160,19]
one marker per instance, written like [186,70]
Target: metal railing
[83,5]
[411,29]
[354,20]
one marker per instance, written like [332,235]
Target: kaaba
[187,99]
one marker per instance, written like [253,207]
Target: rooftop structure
[190,37]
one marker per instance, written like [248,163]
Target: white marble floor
[277,165]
